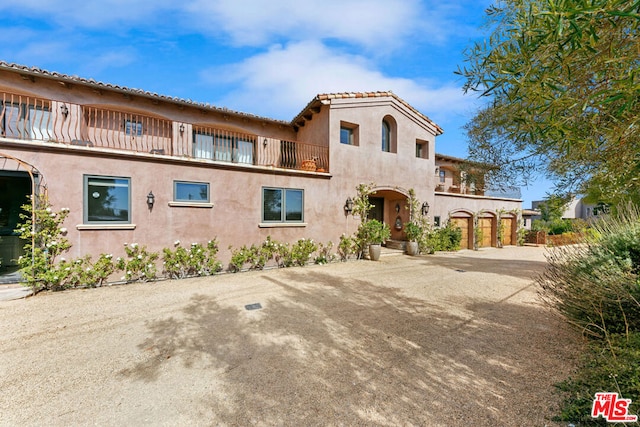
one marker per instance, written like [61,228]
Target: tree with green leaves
[562,83]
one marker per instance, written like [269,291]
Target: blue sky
[265,58]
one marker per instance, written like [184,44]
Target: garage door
[485,225]
[507,231]
[462,224]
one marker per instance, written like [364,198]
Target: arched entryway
[390,207]
[20,182]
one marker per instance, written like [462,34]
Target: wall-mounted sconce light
[151,199]
[265,142]
[397,207]
[181,128]
[348,206]
[425,208]
[64,110]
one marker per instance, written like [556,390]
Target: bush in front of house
[41,229]
[446,238]
[256,257]
[139,265]
[595,285]
[195,261]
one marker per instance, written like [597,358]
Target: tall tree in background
[562,83]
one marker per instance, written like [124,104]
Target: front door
[377,211]
[15,188]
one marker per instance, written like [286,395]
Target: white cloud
[280,82]
[371,23]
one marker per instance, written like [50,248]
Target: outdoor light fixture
[348,206]
[397,207]
[181,128]
[425,208]
[265,142]
[64,110]
[151,199]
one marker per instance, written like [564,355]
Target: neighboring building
[105,151]
[528,216]
[576,208]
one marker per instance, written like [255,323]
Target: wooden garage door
[463,224]
[485,225]
[507,229]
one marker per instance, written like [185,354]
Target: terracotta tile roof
[319,99]
[38,72]
[452,159]
[327,97]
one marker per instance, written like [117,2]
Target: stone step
[396,244]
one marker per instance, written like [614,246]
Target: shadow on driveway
[344,351]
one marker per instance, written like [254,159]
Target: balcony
[33,119]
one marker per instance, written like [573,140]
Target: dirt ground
[441,340]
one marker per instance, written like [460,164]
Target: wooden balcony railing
[29,118]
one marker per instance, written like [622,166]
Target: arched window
[386,136]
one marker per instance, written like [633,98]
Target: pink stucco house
[134,166]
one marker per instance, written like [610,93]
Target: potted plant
[414,233]
[373,233]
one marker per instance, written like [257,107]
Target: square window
[194,192]
[282,205]
[348,133]
[346,136]
[107,200]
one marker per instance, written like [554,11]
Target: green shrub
[324,253]
[347,247]
[446,238]
[196,261]
[140,265]
[45,241]
[595,284]
[614,369]
[413,231]
[301,251]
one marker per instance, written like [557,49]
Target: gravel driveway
[453,339]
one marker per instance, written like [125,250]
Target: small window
[107,200]
[346,136]
[436,221]
[348,133]
[386,136]
[132,127]
[422,149]
[282,205]
[194,192]
[443,174]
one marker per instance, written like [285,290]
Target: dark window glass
[271,204]
[107,199]
[282,205]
